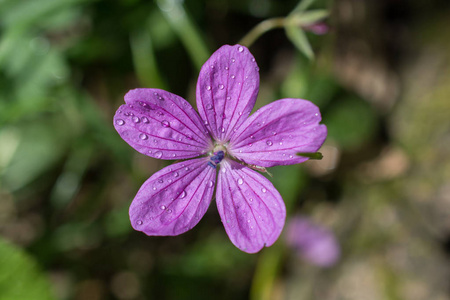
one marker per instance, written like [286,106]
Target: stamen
[216,159]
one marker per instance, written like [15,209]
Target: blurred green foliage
[67,179]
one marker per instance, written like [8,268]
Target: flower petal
[275,133]
[161,125]
[174,199]
[227,88]
[251,209]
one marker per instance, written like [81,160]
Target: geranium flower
[221,142]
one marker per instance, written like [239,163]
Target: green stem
[260,29]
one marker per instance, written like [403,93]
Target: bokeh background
[381,77]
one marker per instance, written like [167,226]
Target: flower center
[217,156]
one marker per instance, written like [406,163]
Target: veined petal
[275,133]
[174,199]
[252,211]
[161,125]
[227,88]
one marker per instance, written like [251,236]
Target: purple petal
[174,199]
[276,132]
[161,125]
[227,88]
[251,209]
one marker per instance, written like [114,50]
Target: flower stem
[260,29]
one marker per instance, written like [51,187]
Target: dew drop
[263,190]
[291,156]
[228,98]
[250,144]
[160,113]
[253,59]
[135,119]
[169,211]
[143,136]
[233,60]
[226,68]
[241,49]
[174,155]
[221,86]
[169,180]
[222,129]
[163,207]
[316,114]
[208,87]
[139,222]
[233,77]
[165,123]
[187,168]
[258,124]
[252,137]
[183,194]
[257,69]
[154,188]
[251,199]
[240,181]
[176,174]
[120,122]
[158,154]
[274,133]
[209,106]
[160,180]
[281,143]
[210,183]
[144,119]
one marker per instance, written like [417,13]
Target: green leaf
[20,276]
[298,38]
[309,17]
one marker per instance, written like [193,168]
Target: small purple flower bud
[312,242]
[317,28]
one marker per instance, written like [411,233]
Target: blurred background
[376,209]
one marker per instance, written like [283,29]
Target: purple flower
[315,244]
[224,143]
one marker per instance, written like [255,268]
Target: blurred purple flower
[315,244]
[163,125]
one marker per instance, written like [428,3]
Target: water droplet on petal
[183,194]
[143,136]
[240,181]
[169,211]
[226,68]
[251,199]
[222,129]
[252,137]
[154,188]
[209,106]
[135,119]
[250,144]
[187,168]
[253,59]
[208,87]
[233,77]
[158,154]
[281,143]
[160,180]
[163,207]
[241,49]
[210,183]
[291,156]
[160,113]
[144,119]
[120,122]
[233,60]
[176,174]
[228,98]
[221,86]
[316,114]
[274,133]
[165,123]
[139,222]
[263,190]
